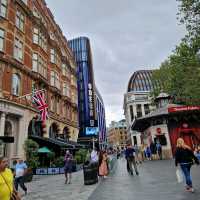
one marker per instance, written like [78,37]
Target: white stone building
[137,101]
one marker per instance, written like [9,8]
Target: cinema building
[34,56]
[90,103]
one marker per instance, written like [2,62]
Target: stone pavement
[157,181]
[53,188]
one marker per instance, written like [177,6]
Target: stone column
[2,124]
[134,110]
[21,136]
[143,112]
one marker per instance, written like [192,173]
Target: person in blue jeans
[184,157]
[20,171]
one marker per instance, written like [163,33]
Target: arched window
[16,84]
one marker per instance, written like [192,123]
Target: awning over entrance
[50,141]
[44,150]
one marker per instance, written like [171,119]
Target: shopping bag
[179,175]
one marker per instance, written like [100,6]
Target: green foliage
[59,162]
[189,16]
[81,156]
[31,150]
[179,75]
[51,155]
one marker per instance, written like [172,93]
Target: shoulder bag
[14,195]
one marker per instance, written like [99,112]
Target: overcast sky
[125,36]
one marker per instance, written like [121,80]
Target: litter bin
[90,172]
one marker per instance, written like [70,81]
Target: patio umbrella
[44,150]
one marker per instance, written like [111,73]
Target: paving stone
[157,181]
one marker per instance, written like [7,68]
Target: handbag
[179,175]
[14,195]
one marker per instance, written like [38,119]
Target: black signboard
[7,139]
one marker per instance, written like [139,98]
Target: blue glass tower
[86,88]
[100,109]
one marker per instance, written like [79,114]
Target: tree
[179,75]
[189,15]
[31,149]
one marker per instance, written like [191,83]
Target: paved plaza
[157,181]
[53,188]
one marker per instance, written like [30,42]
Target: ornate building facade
[34,55]
[117,134]
[137,101]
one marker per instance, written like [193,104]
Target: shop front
[167,124]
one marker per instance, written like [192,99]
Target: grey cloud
[125,35]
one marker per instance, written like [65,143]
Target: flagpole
[31,93]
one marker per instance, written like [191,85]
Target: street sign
[7,139]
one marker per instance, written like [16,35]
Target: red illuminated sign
[183,108]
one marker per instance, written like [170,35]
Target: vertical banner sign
[42,106]
[91,104]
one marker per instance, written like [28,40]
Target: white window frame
[2,39]
[35,35]
[35,62]
[55,81]
[16,88]
[52,54]
[65,70]
[39,65]
[3,8]
[66,89]
[20,20]
[18,49]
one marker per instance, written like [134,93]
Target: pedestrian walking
[94,156]
[20,172]
[148,153]
[153,150]
[184,157]
[103,164]
[159,150]
[130,157]
[6,180]
[68,167]
[197,154]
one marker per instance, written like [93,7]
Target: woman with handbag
[184,157]
[7,191]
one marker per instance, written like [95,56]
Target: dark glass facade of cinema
[86,87]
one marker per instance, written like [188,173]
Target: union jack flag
[39,99]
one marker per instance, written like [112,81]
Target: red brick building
[34,54]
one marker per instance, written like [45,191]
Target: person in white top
[20,171]
[94,156]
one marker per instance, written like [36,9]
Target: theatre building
[34,56]
[169,122]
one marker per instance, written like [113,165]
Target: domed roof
[140,81]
